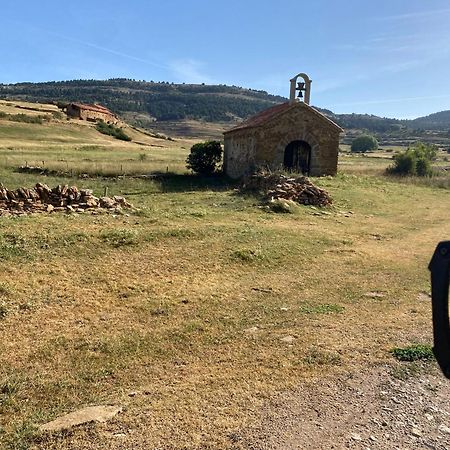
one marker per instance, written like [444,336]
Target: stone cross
[300,87]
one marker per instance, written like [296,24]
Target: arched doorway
[297,157]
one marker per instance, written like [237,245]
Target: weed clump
[246,255]
[417,352]
[120,238]
[321,358]
[324,308]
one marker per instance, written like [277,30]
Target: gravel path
[383,409]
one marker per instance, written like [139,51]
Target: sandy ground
[372,410]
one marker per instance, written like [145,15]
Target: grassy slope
[78,147]
[186,303]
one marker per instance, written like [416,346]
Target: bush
[404,164]
[415,160]
[111,130]
[364,144]
[204,157]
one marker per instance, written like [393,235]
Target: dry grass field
[194,311]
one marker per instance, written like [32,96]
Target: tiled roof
[96,108]
[269,113]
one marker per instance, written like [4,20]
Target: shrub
[204,157]
[111,130]
[415,160]
[423,167]
[404,164]
[364,144]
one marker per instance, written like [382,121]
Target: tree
[204,157]
[364,144]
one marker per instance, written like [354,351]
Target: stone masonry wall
[264,146]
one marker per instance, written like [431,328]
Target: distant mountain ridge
[142,103]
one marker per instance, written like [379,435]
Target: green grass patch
[247,255]
[13,245]
[416,352]
[120,237]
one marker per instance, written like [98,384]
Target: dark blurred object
[440,280]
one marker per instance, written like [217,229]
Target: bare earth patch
[360,410]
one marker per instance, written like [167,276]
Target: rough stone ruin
[42,199]
[275,186]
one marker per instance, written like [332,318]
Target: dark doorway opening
[297,157]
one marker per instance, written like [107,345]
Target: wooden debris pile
[41,198]
[276,186]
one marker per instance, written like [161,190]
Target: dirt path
[381,409]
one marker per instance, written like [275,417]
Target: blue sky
[384,57]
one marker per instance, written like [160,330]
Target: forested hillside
[142,102]
[162,101]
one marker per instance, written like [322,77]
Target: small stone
[374,294]
[50,208]
[132,394]
[284,309]
[444,429]
[288,339]
[429,417]
[416,432]
[356,437]
[119,435]
[373,438]
[251,330]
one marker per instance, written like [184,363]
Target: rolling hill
[173,107]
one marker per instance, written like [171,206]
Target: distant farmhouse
[91,113]
[292,136]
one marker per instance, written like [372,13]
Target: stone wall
[264,146]
[89,114]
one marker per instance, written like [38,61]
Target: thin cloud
[415,15]
[189,71]
[94,46]
[391,100]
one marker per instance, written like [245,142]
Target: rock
[281,205]
[300,190]
[251,330]
[416,432]
[41,198]
[288,339]
[356,437]
[107,202]
[429,417]
[374,294]
[444,429]
[91,202]
[90,414]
